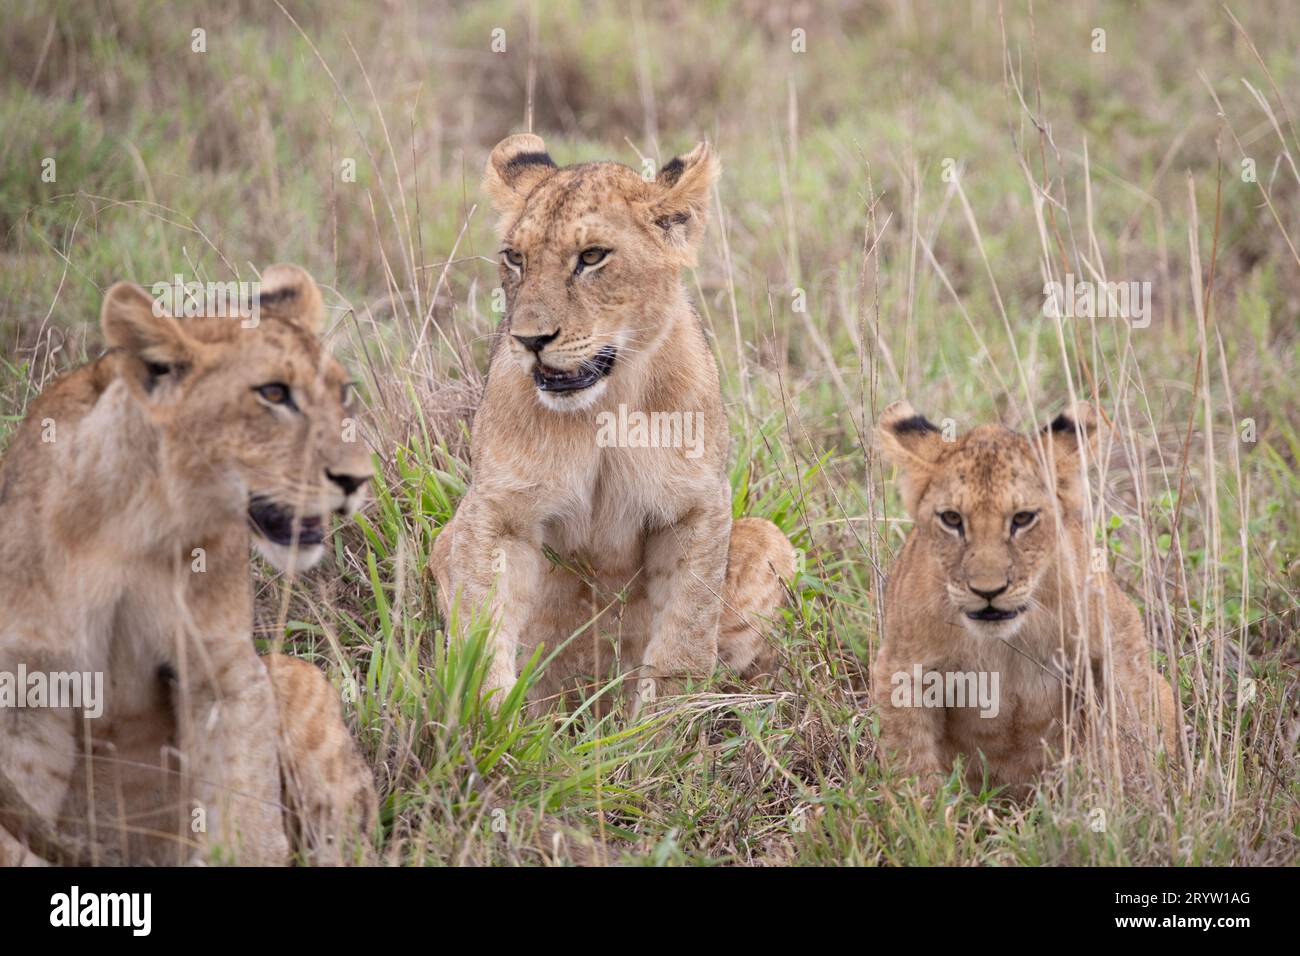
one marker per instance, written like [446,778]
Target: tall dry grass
[1119,165]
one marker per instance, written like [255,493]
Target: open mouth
[585,375]
[277,524]
[992,613]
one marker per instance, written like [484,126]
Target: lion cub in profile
[129,497]
[994,592]
[601,440]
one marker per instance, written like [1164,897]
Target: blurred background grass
[837,124]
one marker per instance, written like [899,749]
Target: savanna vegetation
[900,183]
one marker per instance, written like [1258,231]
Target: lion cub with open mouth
[602,442]
[129,497]
[998,627]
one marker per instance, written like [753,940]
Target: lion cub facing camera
[601,440]
[993,599]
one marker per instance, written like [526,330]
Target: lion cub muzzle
[294,537]
[586,374]
[548,376]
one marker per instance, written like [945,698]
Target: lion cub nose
[349,483]
[535,343]
[988,595]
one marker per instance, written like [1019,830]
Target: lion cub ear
[913,443]
[135,322]
[516,165]
[1067,437]
[289,293]
[681,206]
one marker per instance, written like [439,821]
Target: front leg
[38,756]
[229,733]
[490,568]
[37,760]
[685,572]
[909,732]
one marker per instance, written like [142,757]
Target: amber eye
[275,393]
[950,518]
[514,260]
[593,256]
[1023,519]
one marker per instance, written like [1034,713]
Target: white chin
[573,401]
[287,559]
[993,630]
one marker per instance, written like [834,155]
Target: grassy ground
[893,199]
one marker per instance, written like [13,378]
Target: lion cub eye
[1023,519]
[950,518]
[514,259]
[275,393]
[591,257]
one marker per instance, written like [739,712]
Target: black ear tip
[1062,423]
[278,296]
[913,425]
[672,171]
[529,158]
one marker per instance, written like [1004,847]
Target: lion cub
[129,497]
[602,440]
[997,627]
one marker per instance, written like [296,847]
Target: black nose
[349,483]
[989,595]
[535,343]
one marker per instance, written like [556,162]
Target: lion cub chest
[626,494]
[1012,721]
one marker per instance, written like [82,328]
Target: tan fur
[125,498]
[328,790]
[643,534]
[1076,629]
